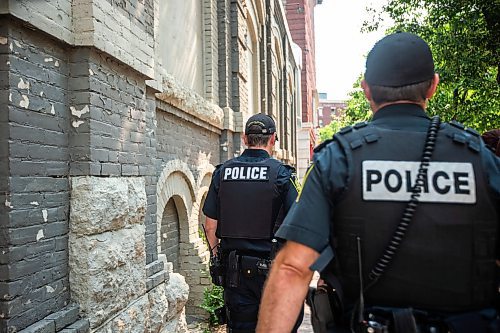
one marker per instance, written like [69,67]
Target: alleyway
[304,328]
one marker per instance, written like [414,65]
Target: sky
[340,46]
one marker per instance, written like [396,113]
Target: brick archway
[177,183]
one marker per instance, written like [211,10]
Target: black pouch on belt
[249,266]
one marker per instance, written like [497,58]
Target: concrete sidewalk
[306,326]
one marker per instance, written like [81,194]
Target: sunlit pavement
[306,326]
[306,323]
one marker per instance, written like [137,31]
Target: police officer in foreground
[246,202]
[400,215]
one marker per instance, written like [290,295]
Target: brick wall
[76,103]
[33,269]
[224,50]
[193,145]
[118,30]
[52,17]
[300,16]
[112,126]
[211,49]
[139,12]
[109,127]
[170,234]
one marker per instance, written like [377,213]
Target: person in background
[246,202]
[492,140]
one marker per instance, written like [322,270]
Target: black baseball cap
[260,123]
[399,59]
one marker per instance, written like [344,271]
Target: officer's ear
[245,139]
[273,139]
[432,89]
[366,90]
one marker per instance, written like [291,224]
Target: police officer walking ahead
[399,214]
[246,202]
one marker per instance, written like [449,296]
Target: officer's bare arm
[286,288]
[210,228]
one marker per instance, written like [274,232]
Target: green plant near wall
[213,300]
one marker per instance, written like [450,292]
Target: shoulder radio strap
[397,238]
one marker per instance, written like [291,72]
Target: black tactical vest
[447,259]
[246,195]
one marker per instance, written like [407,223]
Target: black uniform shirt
[285,184]
[308,222]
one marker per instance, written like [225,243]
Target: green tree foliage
[464,36]
[357,110]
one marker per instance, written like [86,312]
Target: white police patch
[393,181]
[246,173]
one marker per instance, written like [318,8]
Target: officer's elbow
[294,261]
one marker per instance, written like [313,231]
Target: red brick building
[329,110]
[300,17]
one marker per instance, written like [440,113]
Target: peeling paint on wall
[79,113]
[77,124]
[3,40]
[52,110]
[25,102]
[34,203]
[40,235]
[23,85]
[45,215]
[7,202]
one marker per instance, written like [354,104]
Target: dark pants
[242,304]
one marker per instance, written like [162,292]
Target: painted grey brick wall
[78,111]
[109,126]
[112,126]
[151,179]
[224,63]
[211,50]
[179,138]
[140,12]
[33,265]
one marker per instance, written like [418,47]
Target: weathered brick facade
[106,158]
[300,16]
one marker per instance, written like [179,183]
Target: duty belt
[252,266]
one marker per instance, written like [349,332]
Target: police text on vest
[246,173]
[393,181]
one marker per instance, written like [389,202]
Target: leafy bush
[213,300]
